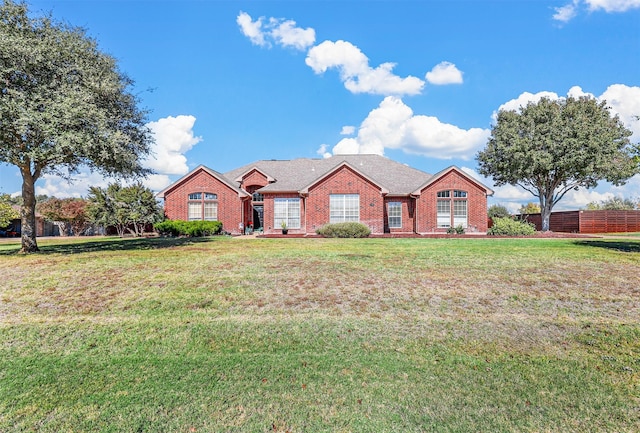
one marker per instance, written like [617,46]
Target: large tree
[69,214]
[64,105]
[553,146]
[129,208]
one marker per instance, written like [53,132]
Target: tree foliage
[7,212]
[553,146]
[68,213]
[614,203]
[498,211]
[529,208]
[129,208]
[63,105]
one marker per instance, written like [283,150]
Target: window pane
[444,213]
[460,213]
[210,196]
[287,210]
[443,194]
[195,211]
[210,211]
[395,215]
[459,193]
[195,196]
[344,207]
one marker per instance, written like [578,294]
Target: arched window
[452,208]
[203,206]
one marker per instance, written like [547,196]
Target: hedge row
[188,228]
[344,230]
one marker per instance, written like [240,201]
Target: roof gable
[343,164]
[240,178]
[219,176]
[448,170]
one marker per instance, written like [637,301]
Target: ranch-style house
[304,194]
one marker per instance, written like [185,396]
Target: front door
[258,214]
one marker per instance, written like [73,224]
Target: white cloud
[580,198]
[251,29]
[392,125]
[625,102]
[279,31]
[522,101]
[322,151]
[352,64]
[613,5]
[348,130]
[173,137]
[566,13]
[569,11]
[55,186]
[355,72]
[288,35]
[444,73]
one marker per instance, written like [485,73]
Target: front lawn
[321,335]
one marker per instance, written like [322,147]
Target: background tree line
[125,208]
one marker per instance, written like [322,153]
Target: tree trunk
[545,215]
[62,227]
[28,214]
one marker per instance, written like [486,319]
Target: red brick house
[305,194]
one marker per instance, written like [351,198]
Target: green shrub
[344,230]
[188,228]
[511,227]
[457,230]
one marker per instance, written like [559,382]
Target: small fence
[590,221]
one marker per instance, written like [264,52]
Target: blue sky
[231,82]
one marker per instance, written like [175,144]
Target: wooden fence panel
[590,221]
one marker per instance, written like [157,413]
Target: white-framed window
[286,210]
[460,213]
[444,213]
[452,209]
[211,210]
[344,207]
[394,214]
[195,210]
[202,205]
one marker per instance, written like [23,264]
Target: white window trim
[339,210]
[290,212]
[396,206]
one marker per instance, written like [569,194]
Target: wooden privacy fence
[590,221]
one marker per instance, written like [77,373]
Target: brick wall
[254,178]
[345,181]
[408,214]
[426,204]
[229,204]
[269,226]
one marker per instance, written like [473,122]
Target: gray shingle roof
[297,174]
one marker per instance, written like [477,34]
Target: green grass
[321,335]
